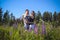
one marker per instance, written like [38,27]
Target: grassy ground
[19,33]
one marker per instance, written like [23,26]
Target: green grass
[21,34]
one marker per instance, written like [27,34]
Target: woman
[32,24]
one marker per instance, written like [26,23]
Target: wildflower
[15,25]
[43,28]
[36,29]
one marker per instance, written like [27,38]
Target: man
[26,19]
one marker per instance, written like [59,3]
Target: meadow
[45,13]
[19,33]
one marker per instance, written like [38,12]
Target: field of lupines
[45,32]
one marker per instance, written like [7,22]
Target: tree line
[6,18]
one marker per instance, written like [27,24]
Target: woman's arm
[30,22]
[25,20]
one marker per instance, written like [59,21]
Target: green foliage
[4,34]
[38,16]
[58,18]
[0,16]
[55,16]
[46,16]
[54,34]
[6,17]
[10,33]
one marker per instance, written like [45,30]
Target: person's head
[27,12]
[33,13]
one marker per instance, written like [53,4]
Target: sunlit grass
[19,33]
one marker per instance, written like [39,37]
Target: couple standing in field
[29,20]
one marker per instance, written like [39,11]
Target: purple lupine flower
[43,28]
[15,25]
[36,29]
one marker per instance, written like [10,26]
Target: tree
[55,16]
[46,16]
[55,20]
[0,16]
[11,16]
[12,19]
[58,18]
[38,16]
[6,17]
[50,16]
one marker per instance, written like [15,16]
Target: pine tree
[6,17]
[0,16]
